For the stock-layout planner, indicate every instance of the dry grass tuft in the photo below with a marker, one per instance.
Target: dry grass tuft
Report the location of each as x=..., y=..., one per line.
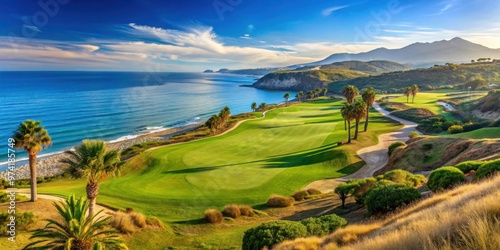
x=213, y=216
x=232, y=211
x=122, y=222
x=280, y=201
x=246, y=210
x=138, y=219
x=154, y=222
x=300, y=195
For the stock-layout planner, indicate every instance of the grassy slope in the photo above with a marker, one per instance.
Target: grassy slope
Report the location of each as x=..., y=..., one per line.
x=478, y=134
x=279, y=154
x=427, y=100
x=467, y=217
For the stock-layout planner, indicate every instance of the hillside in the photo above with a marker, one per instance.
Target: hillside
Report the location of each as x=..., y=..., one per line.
x=447, y=76
x=456, y=50
x=468, y=213
x=428, y=153
x=307, y=78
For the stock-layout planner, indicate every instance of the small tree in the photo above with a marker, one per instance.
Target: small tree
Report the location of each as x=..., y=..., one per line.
x=286, y=96
x=343, y=190
x=325, y=90
x=254, y=106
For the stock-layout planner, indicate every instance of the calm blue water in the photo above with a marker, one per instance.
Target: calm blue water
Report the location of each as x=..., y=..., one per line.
x=116, y=105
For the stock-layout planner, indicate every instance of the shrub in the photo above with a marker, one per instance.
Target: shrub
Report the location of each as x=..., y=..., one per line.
x=413, y=134
x=395, y=145
x=122, y=222
x=313, y=191
x=23, y=220
x=300, y=195
x=323, y=225
x=488, y=169
x=246, y=210
x=404, y=177
x=138, y=219
x=154, y=222
x=360, y=188
x=272, y=233
x=468, y=166
x=280, y=201
x=444, y=178
x=213, y=216
x=455, y=129
x=427, y=146
x=387, y=198
x=232, y=211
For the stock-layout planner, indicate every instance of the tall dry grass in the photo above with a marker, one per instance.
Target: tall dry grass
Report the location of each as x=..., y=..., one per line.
x=467, y=217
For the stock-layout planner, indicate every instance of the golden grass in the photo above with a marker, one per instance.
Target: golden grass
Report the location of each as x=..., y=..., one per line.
x=213, y=216
x=246, y=210
x=122, y=222
x=232, y=211
x=280, y=201
x=467, y=217
x=138, y=219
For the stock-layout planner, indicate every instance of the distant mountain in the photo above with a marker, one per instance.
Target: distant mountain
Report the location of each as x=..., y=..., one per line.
x=456, y=50
x=312, y=77
x=254, y=72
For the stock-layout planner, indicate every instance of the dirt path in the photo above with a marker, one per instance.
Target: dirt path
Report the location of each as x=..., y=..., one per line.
x=26, y=192
x=375, y=156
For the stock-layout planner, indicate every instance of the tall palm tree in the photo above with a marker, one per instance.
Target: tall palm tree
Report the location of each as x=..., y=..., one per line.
x=369, y=98
x=407, y=93
x=95, y=162
x=225, y=114
x=286, y=96
x=32, y=138
x=348, y=114
x=325, y=90
x=75, y=231
x=350, y=92
x=414, y=91
x=254, y=106
x=310, y=93
x=359, y=113
x=263, y=106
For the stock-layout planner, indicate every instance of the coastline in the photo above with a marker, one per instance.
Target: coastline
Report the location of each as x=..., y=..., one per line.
x=50, y=166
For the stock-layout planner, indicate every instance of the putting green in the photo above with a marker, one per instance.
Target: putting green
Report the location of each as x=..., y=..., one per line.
x=280, y=153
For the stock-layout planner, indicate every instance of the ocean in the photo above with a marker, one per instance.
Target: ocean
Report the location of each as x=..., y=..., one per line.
x=116, y=106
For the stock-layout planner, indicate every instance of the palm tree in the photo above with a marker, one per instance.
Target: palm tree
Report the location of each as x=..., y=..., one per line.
x=407, y=93
x=301, y=94
x=359, y=113
x=325, y=90
x=348, y=114
x=317, y=92
x=225, y=114
x=32, y=138
x=286, y=96
x=297, y=96
x=75, y=231
x=92, y=160
x=213, y=123
x=263, y=106
x=414, y=91
x=350, y=92
x=254, y=106
x=310, y=93
x=369, y=98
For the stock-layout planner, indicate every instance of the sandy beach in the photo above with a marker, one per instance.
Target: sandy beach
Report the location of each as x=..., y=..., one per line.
x=50, y=166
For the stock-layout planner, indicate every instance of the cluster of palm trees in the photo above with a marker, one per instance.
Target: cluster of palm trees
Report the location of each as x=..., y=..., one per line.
x=356, y=109
x=411, y=90
x=91, y=160
x=218, y=121
x=311, y=94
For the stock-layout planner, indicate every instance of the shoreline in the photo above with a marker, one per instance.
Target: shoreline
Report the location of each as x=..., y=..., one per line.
x=49, y=165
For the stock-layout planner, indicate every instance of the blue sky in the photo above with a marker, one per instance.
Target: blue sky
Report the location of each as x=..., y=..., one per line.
x=146, y=35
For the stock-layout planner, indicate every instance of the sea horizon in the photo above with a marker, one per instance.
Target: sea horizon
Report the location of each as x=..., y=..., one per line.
x=117, y=105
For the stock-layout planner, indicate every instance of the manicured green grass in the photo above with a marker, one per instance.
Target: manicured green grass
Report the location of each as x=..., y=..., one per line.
x=483, y=133
x=288, y=149
x=429, y=101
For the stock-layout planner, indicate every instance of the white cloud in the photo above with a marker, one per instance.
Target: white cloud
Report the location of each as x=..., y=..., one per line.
x=329, y=11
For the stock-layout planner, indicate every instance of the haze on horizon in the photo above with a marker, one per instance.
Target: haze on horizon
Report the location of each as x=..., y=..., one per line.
x=154, y=35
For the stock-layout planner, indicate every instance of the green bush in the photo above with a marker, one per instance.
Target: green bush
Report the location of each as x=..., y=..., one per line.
x=404, y=177
x=280, y=201
x=272, y=233
x=387, y=198
x=23, y=221
x=455, y=129
x=323, y=225
x=488, y=169
x=360, y=187
x=468, y=166
x=444, y=178
x=395, y=145
x=413, y=134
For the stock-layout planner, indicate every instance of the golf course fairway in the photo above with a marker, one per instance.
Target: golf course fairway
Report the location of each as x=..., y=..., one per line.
x=278, y=154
